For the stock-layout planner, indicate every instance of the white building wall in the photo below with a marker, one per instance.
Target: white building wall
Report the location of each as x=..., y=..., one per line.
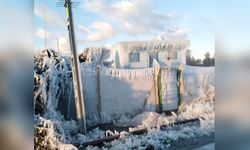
x=182, y=56
x=163, y=59
x=121, y=58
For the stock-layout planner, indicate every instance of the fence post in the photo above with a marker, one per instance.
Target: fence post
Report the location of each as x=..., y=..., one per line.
x=156, y=73
x=180, y=71
x=98, y=91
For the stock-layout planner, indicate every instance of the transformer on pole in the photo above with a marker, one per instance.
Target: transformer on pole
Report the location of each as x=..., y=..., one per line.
x=77, y=81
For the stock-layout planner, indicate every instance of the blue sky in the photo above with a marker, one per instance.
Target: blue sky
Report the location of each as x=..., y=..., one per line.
x=105, y=22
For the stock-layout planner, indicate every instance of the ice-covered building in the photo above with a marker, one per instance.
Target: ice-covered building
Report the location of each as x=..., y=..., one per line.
x=140, y=54
x=162, y=58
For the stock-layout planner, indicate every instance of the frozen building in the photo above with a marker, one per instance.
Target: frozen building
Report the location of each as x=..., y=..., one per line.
x=140, y=54
x=128, y=60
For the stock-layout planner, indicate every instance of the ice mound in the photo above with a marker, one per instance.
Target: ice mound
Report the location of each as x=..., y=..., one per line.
x=145, y=120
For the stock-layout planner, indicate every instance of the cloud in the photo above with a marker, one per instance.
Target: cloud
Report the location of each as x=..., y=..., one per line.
x=63, y=42
x=83, y=29
x=99, y=31
x=41, y=34
x=53, y=19
x=130, y=17
x=176, y=32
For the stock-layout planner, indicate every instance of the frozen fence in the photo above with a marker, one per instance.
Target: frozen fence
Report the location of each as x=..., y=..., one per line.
x=108, y=92
x=125, y=91
x=89, y=77
x=198, y=82
x=112, y=92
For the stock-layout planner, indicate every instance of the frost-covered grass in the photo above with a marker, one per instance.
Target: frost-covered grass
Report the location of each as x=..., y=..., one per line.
x=159, y=139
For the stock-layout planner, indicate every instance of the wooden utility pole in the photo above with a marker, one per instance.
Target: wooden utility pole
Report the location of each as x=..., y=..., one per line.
x=77, y=81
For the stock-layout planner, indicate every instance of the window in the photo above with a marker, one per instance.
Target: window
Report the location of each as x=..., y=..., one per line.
x=134, y=57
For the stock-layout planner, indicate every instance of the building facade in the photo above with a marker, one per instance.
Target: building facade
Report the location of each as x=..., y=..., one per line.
x=140, y=54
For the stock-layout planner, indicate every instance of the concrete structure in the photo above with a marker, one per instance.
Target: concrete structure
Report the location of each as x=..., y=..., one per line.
x=131, y=57
x=140, y=54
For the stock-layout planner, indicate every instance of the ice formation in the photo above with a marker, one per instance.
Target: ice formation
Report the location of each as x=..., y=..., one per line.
x=52, y=81
x=163, y=139
x=154, y=45
x=53, y=101
x=132, y=89
x=169, y=89
x=93, y=57
x=198, y=82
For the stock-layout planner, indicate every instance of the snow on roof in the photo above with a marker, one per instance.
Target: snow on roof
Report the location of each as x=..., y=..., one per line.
x=159, y=37
x=153, y=45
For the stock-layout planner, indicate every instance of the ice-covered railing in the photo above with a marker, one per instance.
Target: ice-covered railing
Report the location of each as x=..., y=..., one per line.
x=153, y=45
x=129, y=73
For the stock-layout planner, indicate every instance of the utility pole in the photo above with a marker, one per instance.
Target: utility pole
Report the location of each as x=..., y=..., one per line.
x=77, y=82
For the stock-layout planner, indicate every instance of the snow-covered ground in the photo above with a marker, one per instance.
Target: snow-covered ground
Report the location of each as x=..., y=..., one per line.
x=59, y=132
x=54, y=128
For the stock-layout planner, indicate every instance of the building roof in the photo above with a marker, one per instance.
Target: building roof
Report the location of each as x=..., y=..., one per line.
x=156, y=45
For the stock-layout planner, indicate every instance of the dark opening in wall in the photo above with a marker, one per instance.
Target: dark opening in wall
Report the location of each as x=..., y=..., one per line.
x=134, y=57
